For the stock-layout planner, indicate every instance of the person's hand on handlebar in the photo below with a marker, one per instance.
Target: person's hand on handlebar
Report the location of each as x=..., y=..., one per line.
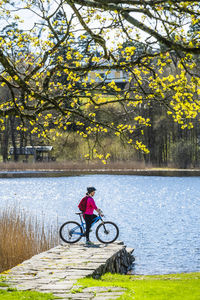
x=100, y=212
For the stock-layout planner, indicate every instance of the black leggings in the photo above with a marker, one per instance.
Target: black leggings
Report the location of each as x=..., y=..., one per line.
x=88, y=220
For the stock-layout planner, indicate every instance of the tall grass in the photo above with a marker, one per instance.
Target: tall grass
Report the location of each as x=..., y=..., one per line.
x=22, y=236
x=71, y=165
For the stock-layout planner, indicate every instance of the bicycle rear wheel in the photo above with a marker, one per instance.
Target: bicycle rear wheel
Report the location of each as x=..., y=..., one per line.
x=107, y=232
x=71, y=232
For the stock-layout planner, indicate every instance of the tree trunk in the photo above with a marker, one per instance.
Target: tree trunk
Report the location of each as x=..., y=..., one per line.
x=13, y=137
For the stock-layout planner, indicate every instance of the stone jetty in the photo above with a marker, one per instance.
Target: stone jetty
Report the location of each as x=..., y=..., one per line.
x=57, y=270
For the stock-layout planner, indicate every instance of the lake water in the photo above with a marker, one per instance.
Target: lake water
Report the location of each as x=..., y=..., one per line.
x=158, y=216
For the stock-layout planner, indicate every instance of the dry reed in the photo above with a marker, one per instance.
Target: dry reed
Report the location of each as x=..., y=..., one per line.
x=67, y=165
x=22, y=236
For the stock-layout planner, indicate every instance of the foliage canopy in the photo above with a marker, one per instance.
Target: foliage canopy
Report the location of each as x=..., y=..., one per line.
x=50, y=51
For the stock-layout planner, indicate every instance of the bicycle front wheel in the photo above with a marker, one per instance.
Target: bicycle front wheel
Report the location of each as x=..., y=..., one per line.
x=107, y=232
x=71, y=232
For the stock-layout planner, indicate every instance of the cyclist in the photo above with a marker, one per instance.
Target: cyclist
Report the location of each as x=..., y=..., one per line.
x=89, y=215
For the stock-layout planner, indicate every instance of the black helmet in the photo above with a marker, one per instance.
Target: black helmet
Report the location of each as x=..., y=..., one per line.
x=91, y=189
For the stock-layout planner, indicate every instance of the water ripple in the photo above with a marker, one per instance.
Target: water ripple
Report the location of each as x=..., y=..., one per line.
x=158, y=216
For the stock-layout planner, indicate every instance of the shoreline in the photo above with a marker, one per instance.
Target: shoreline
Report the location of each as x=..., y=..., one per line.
x=96, y=171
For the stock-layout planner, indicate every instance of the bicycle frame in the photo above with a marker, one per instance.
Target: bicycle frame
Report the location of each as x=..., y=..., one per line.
x=83, y=225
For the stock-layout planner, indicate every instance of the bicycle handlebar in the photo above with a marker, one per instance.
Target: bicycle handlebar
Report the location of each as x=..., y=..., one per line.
x=100, y=213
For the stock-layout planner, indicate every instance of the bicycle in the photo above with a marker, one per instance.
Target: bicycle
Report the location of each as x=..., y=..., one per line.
x=106, y=232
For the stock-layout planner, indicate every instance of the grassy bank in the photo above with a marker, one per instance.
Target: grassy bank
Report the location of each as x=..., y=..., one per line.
x=22, y=236
x=159, y=287
x=7, y=293
x=80, y=165
x=68, y=165
x=19, y=295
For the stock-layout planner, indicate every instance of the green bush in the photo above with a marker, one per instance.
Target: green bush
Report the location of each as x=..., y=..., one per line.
x=72, y=147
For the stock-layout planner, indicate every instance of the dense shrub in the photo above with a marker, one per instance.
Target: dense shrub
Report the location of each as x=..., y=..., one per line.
x=181, y=153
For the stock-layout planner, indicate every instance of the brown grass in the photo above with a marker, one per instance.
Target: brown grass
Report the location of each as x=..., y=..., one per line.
x=21, y=237
x=20, y=166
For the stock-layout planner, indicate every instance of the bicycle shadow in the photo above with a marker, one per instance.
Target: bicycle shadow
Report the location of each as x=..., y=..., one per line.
x=92, y=246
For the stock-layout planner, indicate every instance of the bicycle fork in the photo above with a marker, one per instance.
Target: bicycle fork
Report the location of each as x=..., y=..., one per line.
x=105, y=230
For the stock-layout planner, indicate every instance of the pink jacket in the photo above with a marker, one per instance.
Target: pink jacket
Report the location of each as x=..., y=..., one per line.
x=90, y=206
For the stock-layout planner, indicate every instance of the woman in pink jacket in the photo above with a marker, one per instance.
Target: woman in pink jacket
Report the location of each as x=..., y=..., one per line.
x=89, y=215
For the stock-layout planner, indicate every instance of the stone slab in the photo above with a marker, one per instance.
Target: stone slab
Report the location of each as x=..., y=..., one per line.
x=58, y=269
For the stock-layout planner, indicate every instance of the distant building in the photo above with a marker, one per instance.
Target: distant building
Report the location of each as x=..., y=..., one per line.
x=32, y=153
x=120, y=77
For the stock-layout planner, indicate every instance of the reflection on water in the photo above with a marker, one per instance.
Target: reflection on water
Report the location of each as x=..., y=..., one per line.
x=157, y=216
